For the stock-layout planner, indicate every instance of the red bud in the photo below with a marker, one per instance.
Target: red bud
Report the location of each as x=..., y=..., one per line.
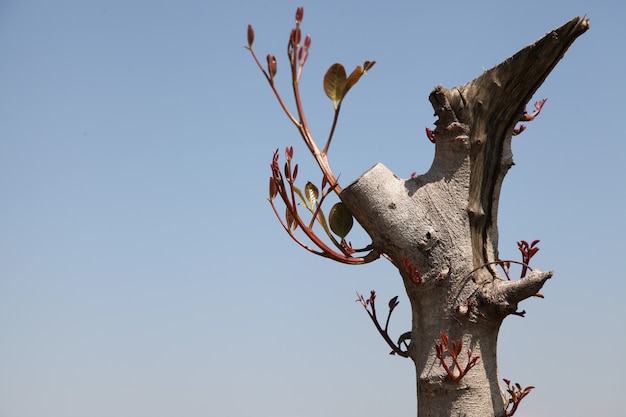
x=431, y=135
x=271, y=65
x=250, y=36
x=299, y=14
x=273, y=188
x=456, y=348
x=444, y=338
x=519, y=130
x=439, y=349
x=294, y=37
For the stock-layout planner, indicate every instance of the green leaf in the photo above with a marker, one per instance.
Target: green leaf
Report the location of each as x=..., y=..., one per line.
x=340, y=220
x=322, y=221
x=299, y=193
x=335, y=83
x=311, y=193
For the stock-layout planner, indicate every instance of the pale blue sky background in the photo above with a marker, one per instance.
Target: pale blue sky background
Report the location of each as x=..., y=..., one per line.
x=142, y=273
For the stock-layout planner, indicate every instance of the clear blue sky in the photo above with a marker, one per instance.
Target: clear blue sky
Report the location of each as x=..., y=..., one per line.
x=142, y=273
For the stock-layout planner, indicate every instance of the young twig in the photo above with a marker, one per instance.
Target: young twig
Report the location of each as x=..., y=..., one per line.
x=370, y=308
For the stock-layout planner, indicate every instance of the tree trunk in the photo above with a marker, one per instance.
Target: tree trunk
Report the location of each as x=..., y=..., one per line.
x=444, y=224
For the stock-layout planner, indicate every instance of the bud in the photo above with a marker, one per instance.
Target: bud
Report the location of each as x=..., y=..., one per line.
x=295, y=37
x=456, y=348
x=299, y=14
x=367, y=65
x=439, y=348
x=271, y=65
x=444, y=338
x=273, y=189
x=298, y=36
x=250, y=36
x=431, y=135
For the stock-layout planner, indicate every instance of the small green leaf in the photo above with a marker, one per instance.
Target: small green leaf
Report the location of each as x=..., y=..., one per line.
x=311, y=192
x=340, y=220
x=335, y=82
x=322, y=221
x=299, y=193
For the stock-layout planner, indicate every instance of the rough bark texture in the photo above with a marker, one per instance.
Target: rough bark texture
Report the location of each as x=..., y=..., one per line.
x=445, y=223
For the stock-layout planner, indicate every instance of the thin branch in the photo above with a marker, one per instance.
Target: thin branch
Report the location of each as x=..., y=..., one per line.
x=332, y=129
x=276, y=93
x=291, y=206
x=383, y=332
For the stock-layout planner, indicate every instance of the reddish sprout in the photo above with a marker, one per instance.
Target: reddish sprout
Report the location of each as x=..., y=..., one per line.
x=299, y=14
x=250, y=36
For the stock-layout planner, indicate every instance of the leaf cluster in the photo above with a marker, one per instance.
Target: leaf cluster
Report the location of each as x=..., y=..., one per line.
x=336, y=226
x=282, y=182
x=454, y=349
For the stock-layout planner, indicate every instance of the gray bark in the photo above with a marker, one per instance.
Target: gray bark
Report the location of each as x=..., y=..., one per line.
x=445, y=223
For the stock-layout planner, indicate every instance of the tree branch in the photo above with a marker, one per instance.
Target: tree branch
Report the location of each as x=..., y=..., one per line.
x=503, y=296
x=486, y=110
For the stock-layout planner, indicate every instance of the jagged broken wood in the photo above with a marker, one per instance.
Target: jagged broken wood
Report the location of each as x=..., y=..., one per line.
x=445, y=223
